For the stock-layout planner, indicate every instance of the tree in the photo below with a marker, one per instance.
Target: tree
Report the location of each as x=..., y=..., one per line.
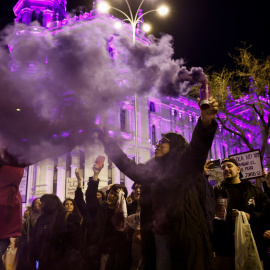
x=243, y=94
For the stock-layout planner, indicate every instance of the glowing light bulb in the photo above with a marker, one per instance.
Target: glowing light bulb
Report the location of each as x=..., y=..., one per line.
x=163, y=10
x=146, y=27
x=118, y=25
x=103, y=7
x=18, y=110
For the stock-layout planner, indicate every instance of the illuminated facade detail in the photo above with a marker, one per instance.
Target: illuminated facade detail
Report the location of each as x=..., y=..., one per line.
x=43, y=11
x=155, y=115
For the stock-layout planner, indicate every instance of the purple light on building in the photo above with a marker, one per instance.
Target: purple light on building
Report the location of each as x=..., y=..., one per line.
x=111, y=133
x=65, y=134
x=97, y=120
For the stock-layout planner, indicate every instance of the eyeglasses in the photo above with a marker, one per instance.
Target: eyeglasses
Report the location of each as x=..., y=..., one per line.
x=163, y=140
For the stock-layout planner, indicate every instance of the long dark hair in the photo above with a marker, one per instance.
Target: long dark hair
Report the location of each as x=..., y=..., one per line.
x=52, y=204
x=76, y=212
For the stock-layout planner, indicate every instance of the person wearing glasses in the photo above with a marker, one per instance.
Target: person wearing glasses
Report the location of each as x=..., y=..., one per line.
x=173, y=220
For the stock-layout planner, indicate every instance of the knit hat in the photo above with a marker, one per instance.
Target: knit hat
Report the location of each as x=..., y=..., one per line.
x=175, y=140
x=232, y=160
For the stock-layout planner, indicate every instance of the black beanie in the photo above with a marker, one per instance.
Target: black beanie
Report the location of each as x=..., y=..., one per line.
x=176, y=140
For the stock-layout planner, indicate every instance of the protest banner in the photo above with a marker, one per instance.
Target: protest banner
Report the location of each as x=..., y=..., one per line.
x=71, y=186
x=250, y=164
x=23, y=185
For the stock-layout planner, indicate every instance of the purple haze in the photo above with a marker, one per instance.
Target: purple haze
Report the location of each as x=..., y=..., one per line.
x=74, y=79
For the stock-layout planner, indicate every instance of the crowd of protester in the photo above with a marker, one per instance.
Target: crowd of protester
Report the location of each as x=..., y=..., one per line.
x=173, y=218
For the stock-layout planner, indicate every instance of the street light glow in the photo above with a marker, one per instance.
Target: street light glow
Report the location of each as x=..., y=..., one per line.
x=118, y=25
x=146, y=27
x=103, y=7
x=163, y=10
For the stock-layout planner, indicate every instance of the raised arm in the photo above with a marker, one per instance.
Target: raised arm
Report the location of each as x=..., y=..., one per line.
x=79, y=195
x=202, y=139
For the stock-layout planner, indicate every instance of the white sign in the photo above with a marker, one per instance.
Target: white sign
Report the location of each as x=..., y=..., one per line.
x=250, y=164
x=23, y=185
x=71, y=186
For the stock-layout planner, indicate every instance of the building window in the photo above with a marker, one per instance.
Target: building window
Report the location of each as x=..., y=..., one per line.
x=122, y=179
x=55, y=176
x=109, y=172
x=152, y=107
x=224, y=151
x=175, y=113
x=123, y=120
x=153, y=135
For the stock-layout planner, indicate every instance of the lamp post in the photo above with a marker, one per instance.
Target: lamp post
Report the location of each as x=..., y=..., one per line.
x=133, y=20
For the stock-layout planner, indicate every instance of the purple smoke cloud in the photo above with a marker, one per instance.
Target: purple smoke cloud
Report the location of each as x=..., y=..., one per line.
x=71, y=78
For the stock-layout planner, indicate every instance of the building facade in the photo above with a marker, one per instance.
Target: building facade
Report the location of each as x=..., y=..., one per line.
x=155, y=115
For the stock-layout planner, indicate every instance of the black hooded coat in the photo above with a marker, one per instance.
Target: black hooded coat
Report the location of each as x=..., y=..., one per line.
x=176, y=199
x=56, y=238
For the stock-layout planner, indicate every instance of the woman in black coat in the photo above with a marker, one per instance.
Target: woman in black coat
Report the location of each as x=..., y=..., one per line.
x=57, y=237
x=174, y=217
x=28, y=229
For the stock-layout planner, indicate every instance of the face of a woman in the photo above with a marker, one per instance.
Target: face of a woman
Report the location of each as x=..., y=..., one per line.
x=37, y=206
x=112, y=199
x=69, y=206
x=137, y=192
x=99, y=197
x=162, y=148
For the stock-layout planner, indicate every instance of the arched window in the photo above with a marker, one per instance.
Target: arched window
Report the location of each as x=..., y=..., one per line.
x=152, y=107
x=153, y=135
x=123, y=120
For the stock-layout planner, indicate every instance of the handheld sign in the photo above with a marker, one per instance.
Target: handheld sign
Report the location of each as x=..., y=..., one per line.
x=250, y=164
x=71, y=186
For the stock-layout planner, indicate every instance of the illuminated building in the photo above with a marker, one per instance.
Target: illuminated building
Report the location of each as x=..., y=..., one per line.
x=155, y=115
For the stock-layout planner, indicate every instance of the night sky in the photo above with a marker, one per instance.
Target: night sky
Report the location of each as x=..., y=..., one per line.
x=204, y=31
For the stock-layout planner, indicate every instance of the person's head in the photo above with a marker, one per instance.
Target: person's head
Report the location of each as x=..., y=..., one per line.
x=27, y=212
x=36, y=205
x=51, y=203
x=231, y=170
x=69, y=205
x=170, y=141
x=136, y=191
x=112, y=195
x=100, y=196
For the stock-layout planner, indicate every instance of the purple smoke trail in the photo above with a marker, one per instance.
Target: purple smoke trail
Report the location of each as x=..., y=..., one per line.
x=73, y=79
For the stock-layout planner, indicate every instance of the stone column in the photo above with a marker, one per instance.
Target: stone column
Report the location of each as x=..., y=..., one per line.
x=26, y=16
x=47, y=17
x=44, y=177
x=115, y=175
x=75, y=162
x=61, y=177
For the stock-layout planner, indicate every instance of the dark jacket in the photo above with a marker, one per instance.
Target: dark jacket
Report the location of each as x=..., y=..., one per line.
x=266, y=189
x=266, y=241
x=252, y=202
x=174, y=185
x=99, y=232
x=56, y=242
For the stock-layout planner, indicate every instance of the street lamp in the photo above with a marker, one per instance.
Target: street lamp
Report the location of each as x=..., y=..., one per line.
x=133, y=20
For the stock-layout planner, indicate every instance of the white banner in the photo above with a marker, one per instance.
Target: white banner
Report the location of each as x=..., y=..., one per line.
x=250, y=164
x=71, y=186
